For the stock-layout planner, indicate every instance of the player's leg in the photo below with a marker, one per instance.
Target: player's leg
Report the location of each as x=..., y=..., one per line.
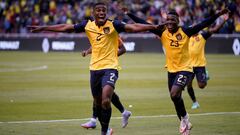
x=173, y=92
x=177, y=82
x=190, y=89
x=125, y=113
x=96, y=89
x=108, y=83
x=191, y=93
x=117, y=103
x=106, y=108
x=178, y=101
x=201, y=76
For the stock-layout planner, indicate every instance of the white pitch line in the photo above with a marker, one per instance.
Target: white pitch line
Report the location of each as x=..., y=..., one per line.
x=25, y=69
x=132, y=117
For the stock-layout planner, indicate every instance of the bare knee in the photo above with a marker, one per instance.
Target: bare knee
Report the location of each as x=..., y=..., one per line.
x=202, y=85
x=175, y=93
x=106, y=103
x=174, y=96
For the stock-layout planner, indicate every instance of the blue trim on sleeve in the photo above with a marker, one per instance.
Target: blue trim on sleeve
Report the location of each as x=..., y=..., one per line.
x=119, y=26
x=80, y=27
x=195, y=29
x=206, y=34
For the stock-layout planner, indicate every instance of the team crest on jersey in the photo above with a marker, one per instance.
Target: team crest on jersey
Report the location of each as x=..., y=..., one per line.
x=197, y=38
x=106, y=30
x=179, y=36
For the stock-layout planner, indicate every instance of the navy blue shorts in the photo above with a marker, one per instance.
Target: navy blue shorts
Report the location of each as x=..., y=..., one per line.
x=179, y=78
x=200, y=73
x=100, y=78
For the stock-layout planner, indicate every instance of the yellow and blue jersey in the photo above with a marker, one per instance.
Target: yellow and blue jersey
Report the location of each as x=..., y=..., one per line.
x=176, y=48
x=197, y=49
x=104, y=42
x=176, y=44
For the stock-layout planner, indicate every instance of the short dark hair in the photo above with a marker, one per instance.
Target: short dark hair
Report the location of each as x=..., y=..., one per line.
x=99, y=3
x=173, y=12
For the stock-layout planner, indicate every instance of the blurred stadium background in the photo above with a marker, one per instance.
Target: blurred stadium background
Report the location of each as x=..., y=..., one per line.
x=15, y=15
x=48, y=93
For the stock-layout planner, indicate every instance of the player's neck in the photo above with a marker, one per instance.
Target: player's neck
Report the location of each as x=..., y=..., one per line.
x=174, y=30
x=100, y=24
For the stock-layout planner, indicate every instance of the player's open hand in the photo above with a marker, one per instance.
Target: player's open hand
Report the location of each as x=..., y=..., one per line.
x=123, y=9
x=225, y=17
x=35, y=29
x=84, y=53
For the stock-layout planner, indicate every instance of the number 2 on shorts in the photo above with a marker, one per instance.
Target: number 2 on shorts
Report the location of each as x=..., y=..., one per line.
x=182, y=79
x=112, y=77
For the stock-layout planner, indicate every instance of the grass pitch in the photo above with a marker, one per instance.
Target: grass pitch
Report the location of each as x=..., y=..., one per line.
x=35, y=86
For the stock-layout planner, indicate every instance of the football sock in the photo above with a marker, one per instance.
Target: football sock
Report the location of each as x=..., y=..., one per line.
x=94, y=111
x=179, y=106
x=105, y=118
x=98, y=110
x=191, y=94
x=117, y=103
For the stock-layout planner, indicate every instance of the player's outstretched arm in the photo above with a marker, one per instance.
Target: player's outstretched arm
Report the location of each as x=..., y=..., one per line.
x=136, y=19
x=121, y=48
x=205, y=23
x=219, y=26
x=53, y=28
x=157, y=31
x=137, y=27
x=141, y=21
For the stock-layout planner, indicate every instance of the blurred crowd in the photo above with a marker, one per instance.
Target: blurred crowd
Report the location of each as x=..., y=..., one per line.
x=16, y=15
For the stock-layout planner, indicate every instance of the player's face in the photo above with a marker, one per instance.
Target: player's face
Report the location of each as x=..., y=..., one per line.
x=100, y=13
x=172, y=23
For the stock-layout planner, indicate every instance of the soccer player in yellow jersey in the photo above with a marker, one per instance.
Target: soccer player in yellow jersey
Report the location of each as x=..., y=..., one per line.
x=103, y=36
x=115, y=98
x=175, y=40
x=198, y=61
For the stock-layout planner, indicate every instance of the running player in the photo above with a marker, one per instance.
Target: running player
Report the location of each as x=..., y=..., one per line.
x=115, y=98
x=175, y=40
x=198, y=61
x=103, y=36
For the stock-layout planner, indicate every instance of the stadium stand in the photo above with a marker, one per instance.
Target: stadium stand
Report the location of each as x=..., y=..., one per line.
x=15, y=15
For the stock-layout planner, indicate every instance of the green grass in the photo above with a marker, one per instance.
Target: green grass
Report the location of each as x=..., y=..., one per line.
x=62, y=92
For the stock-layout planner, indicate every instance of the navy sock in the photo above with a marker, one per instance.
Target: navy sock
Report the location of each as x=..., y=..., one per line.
x=191, y=93
x=95, y=115
x=116, y=102
x=180, y=107
x=105, y=118
x=98, y=110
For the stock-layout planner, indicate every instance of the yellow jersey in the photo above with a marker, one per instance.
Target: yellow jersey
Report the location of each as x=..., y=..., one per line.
x=176, y=49
x=196, y=50
x=104, y=42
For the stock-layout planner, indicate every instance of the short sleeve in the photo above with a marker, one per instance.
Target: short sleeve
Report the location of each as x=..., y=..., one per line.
x=206, y=34
x=119, y=26
x=80, y=27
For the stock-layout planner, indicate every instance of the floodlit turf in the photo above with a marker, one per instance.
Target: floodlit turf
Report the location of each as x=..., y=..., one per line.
x=35, y=86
